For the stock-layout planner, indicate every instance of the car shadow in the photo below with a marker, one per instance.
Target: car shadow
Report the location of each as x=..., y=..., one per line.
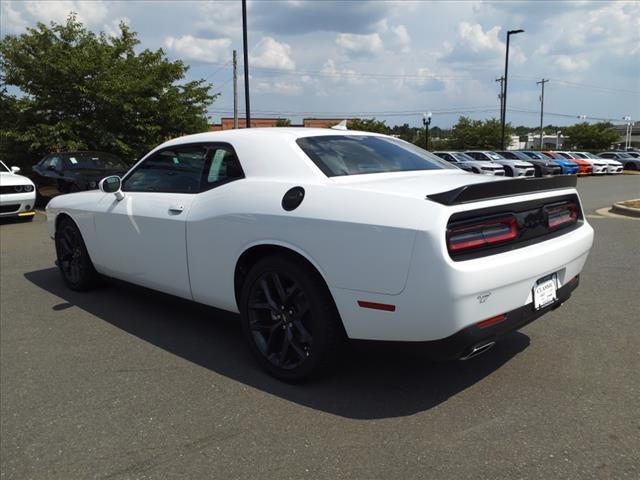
x=373, y=380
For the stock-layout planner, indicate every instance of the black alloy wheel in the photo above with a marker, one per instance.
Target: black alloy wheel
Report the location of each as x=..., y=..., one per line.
x=289, y=319
x=73, y=259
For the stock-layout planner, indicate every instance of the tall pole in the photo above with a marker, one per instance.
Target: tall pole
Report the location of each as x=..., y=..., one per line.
x=504, y=93
x=542, y=82
x=247, y=104
x=501, y=96
x=235, y=89
x=426, y=121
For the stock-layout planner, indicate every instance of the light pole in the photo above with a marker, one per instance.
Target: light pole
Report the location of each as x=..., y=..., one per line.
x=504, y=93
x=245, y=42
x=558, y=134
x=426, y=121
x=627, y=136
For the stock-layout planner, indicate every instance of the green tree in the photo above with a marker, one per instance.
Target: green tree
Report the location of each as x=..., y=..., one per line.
x=368, y=125
x=596, y=136
x=283, y=122
x=81, y=90
x=478, y=134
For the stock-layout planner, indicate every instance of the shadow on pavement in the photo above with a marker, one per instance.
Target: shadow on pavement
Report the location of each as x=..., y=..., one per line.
x=374, y=380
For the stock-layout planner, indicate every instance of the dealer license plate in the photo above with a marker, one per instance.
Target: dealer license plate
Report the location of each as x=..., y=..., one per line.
x=544, y=292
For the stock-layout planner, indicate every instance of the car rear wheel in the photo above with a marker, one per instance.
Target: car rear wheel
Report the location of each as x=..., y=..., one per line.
x=289, y=319
x=73, y=259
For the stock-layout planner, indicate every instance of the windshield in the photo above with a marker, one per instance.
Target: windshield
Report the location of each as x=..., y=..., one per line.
x=534, y=155
x=624, y=155
x=94, y=160
x=462, y=157
x=591, y=155
x=510, y=155
x=494, y=156
x=338, y=155
x=4, y=168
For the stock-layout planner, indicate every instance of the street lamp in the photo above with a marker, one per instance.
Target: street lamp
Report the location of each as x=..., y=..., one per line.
x=504, y=93
x=426, y=121
x=627, y=136
x=558, y=135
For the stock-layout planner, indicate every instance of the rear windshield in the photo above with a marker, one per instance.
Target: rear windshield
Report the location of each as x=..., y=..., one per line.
x=338, y=155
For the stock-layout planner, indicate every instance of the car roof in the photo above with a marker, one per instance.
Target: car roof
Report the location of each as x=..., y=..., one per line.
x=269, y=152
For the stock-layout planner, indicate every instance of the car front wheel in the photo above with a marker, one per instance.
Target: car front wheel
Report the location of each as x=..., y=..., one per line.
x=73, y=259
x=289, y=319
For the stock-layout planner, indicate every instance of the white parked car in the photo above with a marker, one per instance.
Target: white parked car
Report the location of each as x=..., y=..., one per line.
x=513, y=168
x=612, y=166
x=316, y=234
x=17, y=194
x=476, y=166
x=599, y=165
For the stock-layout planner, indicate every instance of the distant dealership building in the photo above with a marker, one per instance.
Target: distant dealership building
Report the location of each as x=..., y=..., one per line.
x=226, y=123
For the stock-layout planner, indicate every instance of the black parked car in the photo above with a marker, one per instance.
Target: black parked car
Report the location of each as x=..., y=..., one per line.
x=67, y=172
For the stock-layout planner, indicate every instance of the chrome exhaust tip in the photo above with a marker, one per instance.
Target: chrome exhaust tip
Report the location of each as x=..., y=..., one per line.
x=477, y=350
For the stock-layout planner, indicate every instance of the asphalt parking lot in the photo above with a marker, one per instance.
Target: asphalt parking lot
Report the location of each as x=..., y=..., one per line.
x=122, y=382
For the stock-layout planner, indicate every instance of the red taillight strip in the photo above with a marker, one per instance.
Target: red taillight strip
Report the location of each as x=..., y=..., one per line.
x=562, y=215
x=377, y=306
x=491, y=321
x=485, y=238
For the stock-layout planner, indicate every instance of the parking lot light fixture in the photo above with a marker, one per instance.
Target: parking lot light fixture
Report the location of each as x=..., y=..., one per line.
x=558, y=135
x=426, y=121
x=504, y=93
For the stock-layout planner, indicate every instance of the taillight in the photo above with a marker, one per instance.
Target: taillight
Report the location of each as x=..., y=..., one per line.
x=561, y=215
x=486, y=232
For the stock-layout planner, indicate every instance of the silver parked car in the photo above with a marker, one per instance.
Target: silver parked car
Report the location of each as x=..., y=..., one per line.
x=461, y=159
x=512, y=168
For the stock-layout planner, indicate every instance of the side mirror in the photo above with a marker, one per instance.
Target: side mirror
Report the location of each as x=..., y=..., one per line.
x=15, y=169
x=112, y=184
x=51, y=168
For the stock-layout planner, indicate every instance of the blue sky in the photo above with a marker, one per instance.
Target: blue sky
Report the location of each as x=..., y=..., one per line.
x=391, y=60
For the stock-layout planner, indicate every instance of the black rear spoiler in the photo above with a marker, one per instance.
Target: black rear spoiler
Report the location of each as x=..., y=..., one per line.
x=502, y=188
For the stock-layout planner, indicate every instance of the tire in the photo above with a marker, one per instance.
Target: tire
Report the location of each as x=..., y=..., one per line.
x=73, y=261
x=508, y=171
x=475, y=170
x=304, y=338
x=537, y=172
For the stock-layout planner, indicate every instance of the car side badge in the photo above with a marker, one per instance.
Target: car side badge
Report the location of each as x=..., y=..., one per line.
x=293, y=198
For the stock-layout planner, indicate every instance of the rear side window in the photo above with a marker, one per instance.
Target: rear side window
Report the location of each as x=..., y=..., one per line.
x=339, y=155
x=222, y=166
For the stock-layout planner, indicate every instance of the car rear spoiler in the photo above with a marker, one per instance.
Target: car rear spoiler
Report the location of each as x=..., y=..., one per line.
x=502, y=188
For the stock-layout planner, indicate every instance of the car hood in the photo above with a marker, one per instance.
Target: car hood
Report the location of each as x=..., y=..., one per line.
x=413, y=184
x=8, y=179
x=483, y=163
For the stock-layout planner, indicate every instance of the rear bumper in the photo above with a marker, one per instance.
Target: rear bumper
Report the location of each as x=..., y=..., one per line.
x=458, y=344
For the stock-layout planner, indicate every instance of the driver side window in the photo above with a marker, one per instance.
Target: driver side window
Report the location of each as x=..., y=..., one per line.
x=175, y=170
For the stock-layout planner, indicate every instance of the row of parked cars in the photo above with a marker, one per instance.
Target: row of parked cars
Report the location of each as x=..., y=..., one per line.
x=530, y=163
x=67, y=172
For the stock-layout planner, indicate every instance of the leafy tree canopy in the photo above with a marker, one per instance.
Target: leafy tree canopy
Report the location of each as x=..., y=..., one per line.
x=478, y=134
x=594, y=136
x=81, y=90
x=367, y=125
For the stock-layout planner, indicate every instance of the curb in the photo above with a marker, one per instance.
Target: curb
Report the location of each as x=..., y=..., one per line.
x=624, y=210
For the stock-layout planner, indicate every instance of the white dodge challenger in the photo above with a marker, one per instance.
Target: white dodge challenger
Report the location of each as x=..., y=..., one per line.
x=316, y=235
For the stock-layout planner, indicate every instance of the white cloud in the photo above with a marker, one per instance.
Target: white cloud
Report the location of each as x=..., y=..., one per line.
x=359, y=45
x=12, y=20
x=112, y=29
x=89, y=12
x=201, y=49
x=281, y=87
x=272, y=54
x=473, y=44
x=571, y=64
x=401, y=38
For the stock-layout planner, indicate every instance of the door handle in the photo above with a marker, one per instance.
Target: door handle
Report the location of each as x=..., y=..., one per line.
x=176, y=208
